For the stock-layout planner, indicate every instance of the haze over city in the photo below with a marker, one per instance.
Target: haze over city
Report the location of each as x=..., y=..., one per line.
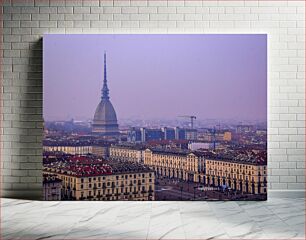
x=219, y=76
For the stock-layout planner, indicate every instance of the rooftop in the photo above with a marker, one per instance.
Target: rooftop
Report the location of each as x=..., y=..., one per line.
x=86, y=166
x=245, y=156
x=129, y=146
x=74, y=141
x=180, y=152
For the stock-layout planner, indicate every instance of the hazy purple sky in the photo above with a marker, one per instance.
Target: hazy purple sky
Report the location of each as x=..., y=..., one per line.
x=221, y=76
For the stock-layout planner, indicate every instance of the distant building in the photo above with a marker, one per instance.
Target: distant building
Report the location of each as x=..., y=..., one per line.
x=244, y=128
x=216, y=135
x=168, y=144
x=138, y=135
x=227, y=136
x=261, y=131
x=68, y=148
x=148, y=134
x=51, y=187
x=191, y=134
x=169, y=133
x=105, y=118
x=131, y=153
x=180, y=133
x=193, y=146
x=134, y=135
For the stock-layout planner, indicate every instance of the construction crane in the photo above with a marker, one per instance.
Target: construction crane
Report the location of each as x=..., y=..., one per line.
x=192, y=118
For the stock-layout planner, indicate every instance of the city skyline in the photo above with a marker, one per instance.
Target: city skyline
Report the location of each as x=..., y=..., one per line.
x=157, y=76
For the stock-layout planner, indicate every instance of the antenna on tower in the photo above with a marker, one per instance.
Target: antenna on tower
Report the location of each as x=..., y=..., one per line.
x=105, y=90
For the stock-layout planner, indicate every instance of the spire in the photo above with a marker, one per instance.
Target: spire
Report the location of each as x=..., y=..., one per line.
x=105, y=90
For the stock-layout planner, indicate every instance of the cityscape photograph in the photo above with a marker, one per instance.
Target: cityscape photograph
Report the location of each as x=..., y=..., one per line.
x=154, y=117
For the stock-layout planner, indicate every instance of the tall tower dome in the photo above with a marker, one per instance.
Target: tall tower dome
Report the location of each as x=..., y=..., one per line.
x=105, y=118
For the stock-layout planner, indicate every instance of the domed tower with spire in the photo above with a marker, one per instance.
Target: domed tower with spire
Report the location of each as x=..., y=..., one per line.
x=105, y=118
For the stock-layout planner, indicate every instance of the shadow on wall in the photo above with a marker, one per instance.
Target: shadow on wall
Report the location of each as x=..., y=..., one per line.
x=25, y=156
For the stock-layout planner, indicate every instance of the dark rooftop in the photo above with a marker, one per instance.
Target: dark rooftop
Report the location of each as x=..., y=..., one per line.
x=130, y=146
x=85, y=166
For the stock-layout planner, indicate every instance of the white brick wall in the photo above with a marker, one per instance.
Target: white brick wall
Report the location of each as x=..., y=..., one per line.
x=25, y=21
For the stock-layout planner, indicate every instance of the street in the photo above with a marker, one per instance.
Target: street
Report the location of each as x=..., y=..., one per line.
x=174, y=190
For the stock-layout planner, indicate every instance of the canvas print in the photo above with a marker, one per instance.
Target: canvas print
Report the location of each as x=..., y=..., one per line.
x=154, y=117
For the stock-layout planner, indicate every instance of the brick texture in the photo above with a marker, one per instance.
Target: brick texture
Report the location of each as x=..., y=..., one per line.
x=25, y=21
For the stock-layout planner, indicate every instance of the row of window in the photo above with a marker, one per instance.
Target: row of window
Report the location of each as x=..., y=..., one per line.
x=115, y=184
x=222, y=171
x=238, y=177
x=113, y=153
x=139, y=190
x=90, y=179
x=232, y=164
x=175, y=164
